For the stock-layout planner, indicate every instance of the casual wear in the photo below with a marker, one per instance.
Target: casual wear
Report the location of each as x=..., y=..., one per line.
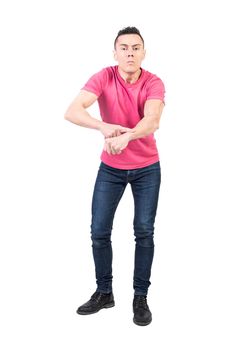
x=142, y=313
x=122, y=103
x=138, y=164
x=108, y=190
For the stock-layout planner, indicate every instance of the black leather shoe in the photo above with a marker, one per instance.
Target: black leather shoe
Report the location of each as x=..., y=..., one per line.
x=97, y=302
x=142, y=314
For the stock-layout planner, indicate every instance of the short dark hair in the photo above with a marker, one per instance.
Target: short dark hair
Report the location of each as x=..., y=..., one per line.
x=128, y=30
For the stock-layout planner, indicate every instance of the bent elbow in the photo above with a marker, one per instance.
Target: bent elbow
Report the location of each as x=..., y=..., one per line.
x=156, y=127
x=66, y=117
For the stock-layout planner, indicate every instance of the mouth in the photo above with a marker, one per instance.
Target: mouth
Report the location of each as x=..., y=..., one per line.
x=130, y=62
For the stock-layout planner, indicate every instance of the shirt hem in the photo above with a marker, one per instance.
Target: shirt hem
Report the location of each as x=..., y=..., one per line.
x=128, y=167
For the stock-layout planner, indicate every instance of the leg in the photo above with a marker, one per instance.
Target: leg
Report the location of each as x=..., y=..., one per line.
x=145, y=189
x=108, y=190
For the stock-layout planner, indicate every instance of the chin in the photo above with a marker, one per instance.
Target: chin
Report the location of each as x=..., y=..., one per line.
x=131, y=69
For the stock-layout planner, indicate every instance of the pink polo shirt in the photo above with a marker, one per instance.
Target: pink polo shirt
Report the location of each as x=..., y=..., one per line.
x=123, y=103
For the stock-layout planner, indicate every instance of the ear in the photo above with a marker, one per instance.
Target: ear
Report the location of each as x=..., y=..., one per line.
x=114, y=55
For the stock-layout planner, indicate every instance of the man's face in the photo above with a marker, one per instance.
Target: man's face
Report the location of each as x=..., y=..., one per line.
x=129, y=52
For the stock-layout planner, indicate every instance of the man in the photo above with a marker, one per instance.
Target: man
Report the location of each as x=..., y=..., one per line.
x=131, y=101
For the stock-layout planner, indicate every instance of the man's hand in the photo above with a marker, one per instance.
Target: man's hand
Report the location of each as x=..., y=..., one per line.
x=112, y=130
x=115, y=145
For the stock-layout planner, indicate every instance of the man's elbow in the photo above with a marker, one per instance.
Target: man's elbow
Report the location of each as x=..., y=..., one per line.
x=155, y=126
x=68, y=117
x=73, y=112
x=67, y=114
x=72, y=115
x=73, y=118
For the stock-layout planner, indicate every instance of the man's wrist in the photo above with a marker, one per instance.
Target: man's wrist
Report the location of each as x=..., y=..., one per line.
x=130, y=135
x=100, y=125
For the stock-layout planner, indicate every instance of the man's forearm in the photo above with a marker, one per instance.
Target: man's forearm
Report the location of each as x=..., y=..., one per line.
x=146, y=126
x=83, y=118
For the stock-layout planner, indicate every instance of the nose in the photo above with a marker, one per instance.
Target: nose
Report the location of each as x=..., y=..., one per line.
x=130, y=52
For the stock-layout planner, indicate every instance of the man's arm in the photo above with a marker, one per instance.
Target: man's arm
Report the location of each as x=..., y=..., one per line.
x=150, y=122
x=77, y=114
x=147, y=125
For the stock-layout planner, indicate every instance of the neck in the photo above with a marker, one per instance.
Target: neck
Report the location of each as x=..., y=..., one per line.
x=130, y=77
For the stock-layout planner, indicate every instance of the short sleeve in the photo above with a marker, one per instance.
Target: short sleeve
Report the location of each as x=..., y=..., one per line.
x=96, y=83
x=155, y=89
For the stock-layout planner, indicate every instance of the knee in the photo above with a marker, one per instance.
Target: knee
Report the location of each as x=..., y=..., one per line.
x=100, y=228
x=100, y=236
x=146, y=242
x=99, y=242
x=144, y=236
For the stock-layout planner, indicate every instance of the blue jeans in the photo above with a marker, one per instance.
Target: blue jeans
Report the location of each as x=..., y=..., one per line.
x=108, y=190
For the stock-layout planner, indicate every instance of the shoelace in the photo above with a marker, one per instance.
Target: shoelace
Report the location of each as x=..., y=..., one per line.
x=141, y=302
x=96, y=296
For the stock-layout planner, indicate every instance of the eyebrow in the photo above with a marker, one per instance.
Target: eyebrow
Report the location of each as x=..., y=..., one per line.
x=130, y=45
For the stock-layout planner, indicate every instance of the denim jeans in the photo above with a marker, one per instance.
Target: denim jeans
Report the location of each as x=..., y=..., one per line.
x=108, y=190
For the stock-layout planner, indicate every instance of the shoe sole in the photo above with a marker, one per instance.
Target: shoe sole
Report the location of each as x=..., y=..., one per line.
x=106, y=306
x=141, y=323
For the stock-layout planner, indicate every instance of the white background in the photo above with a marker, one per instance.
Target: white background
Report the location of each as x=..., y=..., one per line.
x=48, y=167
